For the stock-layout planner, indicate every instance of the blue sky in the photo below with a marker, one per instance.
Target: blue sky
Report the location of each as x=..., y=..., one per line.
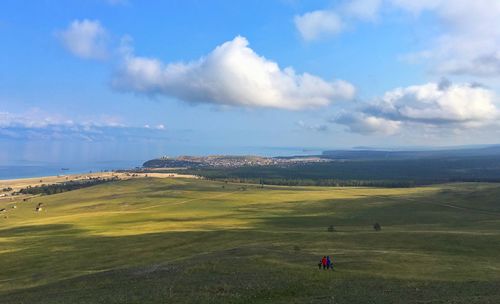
x=137, y=79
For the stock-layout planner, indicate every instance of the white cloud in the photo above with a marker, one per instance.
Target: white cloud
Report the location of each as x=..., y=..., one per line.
x=468, y=41
x=232, y=74
x=311, y=127
x=324, y=23
x=317, y=24
x=38, y=125
x=157, y=127
x=470, y=38
x=440, y=105
x=38, y=119
x=31, y=119
x=35, y=124
x=85, y=39
x=366, y=10
x=367, y=124
x=416, y=7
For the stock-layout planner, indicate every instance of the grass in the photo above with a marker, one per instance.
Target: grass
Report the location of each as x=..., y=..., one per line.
x=192, y=241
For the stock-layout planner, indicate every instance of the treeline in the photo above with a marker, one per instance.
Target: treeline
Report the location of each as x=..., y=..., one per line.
x=64, y=187
x=377, y=173
x=321, y=182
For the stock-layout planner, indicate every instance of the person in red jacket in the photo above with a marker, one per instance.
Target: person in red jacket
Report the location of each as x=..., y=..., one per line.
x=324, y=262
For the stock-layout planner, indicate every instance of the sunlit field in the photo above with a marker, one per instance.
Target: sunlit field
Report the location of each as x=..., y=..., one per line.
x=193, y=241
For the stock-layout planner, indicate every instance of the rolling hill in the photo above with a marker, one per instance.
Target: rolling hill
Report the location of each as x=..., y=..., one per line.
x=195, y=241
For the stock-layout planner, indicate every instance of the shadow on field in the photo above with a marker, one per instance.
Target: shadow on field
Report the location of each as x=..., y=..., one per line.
x=249, y=275
x=425, y=253
x=38, y=230
x=440, y=210
x=238, y=267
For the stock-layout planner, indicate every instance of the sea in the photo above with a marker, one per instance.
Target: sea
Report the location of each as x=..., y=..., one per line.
x=39, y=169
x=23, y=159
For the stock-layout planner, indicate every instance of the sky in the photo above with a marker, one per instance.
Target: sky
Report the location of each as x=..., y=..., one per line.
x=132, y=80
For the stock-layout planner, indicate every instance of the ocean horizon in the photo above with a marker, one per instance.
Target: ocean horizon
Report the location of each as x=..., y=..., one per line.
x=40, y=169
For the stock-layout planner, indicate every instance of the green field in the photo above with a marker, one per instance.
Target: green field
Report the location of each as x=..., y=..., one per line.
x=192, y=241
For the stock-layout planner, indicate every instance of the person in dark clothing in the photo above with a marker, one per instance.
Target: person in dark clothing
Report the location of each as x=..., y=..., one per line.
x=319, y=264
x=328, y=263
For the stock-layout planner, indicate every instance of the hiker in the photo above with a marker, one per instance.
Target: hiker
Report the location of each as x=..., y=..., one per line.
x=329, y=262
x=323, y=262
x=319, y=264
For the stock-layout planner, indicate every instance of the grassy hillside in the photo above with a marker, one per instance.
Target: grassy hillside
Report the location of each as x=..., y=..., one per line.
x=191, y=241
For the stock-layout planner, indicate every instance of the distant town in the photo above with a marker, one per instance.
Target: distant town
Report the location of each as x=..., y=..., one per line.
x=232, y=161
x=228, y=161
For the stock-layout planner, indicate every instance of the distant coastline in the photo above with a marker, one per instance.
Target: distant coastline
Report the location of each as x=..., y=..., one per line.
x=29, y=170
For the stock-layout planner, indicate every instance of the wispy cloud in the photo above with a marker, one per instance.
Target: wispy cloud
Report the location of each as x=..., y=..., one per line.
x=85, y=39
x=470, y=38
x=157, y=127
x=39, y=125
x=317, y=24
x=467, y=43
x=311, y=127
x=331, y=22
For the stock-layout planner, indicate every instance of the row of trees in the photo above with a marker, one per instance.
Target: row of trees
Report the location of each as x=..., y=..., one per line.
x=63, y=187
x=320, y=182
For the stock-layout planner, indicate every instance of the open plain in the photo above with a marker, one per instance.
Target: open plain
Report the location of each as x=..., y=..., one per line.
x=180, y=240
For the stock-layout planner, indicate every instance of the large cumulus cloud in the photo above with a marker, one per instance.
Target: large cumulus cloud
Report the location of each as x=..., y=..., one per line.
x=232, y=74
x=443, y=104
